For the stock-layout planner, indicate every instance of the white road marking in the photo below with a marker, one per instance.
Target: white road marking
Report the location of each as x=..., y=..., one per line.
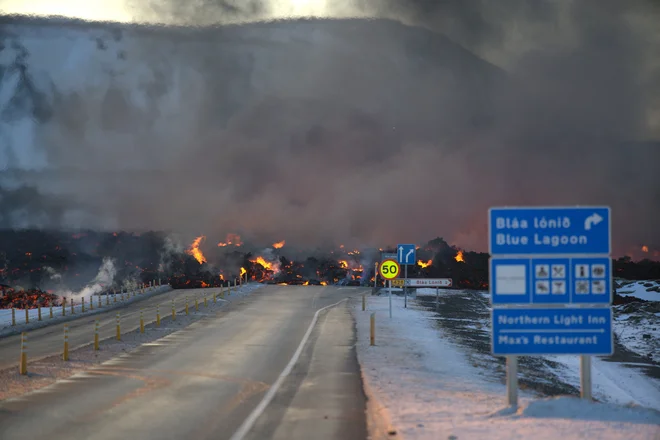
x=249, y=422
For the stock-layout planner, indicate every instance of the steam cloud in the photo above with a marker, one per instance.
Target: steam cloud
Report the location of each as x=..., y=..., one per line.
x=104, y=278
x=319, y=132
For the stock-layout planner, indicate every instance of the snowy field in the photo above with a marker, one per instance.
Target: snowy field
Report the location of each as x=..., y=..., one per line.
x=425, y=386
x=33, y=314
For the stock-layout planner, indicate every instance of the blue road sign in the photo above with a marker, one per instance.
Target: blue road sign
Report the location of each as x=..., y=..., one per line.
x=556, y=280
x=549, y=230
x=521, y=332
x=406, y=253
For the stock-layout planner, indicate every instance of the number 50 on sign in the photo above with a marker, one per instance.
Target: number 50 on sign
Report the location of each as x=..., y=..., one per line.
x=389, y=269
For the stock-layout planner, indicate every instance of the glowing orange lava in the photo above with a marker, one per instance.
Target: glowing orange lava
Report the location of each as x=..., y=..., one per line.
x=343, y=264
x=195, y=252
x=324, y=283
x=205, y=284
x=231, y=239
x=423, y=265
x=459, y=257
x=645, y=248
x=306, y=283
x=265, y=264
x=243, y=271
x=279, y=244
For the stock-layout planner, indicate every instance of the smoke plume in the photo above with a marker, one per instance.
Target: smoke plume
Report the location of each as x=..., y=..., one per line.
x=353, y=131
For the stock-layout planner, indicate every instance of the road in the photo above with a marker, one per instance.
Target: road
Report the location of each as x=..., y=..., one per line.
x=209, y=380
x=48, y=341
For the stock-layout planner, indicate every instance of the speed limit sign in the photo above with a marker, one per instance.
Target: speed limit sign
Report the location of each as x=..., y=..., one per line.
x=389, y=269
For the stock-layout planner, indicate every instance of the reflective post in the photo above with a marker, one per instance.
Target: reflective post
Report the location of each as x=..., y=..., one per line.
x=65, y=353
x=96, y=335
x=23, y=359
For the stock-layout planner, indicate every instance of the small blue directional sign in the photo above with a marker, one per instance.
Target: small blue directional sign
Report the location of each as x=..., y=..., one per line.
x=387, y=256
x=549, y=230
x=551, y=280
x=406, y=253
x=583, y=331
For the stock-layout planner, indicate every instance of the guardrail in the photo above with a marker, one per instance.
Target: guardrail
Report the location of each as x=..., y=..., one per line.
x=208, y=298
x=14, y=318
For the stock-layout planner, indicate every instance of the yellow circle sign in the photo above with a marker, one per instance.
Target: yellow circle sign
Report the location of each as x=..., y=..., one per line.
x=389, y=269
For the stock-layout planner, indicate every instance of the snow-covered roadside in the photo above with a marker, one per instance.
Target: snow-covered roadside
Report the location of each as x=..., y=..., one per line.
x=431, y=391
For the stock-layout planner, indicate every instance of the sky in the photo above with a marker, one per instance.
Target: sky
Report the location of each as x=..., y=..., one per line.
x=371, y=133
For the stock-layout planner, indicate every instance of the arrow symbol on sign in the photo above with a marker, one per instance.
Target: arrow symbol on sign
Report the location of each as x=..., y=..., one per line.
x=410, y=252
x=593, y=219
x=400, y=253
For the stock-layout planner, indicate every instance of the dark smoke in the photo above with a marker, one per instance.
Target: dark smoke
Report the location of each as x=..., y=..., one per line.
x=352, y=131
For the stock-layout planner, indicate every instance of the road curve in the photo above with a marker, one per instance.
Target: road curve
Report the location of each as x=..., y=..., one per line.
x=205, y=381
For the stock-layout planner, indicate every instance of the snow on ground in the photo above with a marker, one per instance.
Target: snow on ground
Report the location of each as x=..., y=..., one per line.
x=426, y=388
x=5, y=314
x=646, y=290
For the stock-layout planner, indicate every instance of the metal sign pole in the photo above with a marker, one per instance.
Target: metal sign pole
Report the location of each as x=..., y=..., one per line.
x=512, y=381
x=390, y=289
x=405, y=289
x=437, y=299
x=585, y=377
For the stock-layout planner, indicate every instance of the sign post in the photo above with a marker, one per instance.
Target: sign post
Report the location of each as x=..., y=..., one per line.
x=550, y=286
x=390, y=269
x=406, y=254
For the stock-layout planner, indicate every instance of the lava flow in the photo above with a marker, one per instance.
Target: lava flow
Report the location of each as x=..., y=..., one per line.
x=194, y=250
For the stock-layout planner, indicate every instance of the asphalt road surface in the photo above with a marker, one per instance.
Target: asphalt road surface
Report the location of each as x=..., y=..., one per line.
x=48, y=340
x=241, y=374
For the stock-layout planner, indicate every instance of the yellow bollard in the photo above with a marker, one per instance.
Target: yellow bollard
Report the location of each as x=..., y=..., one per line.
x=372, y=336
x=157, y=315
x=222, y=292
x=186, y=305
x=23, y=361
x=65, y=354
x=27, y=315
x=141, y=322
x=63, y=307
x=196, y=304
x=51, y=309
x=83, y=304
x=38, y=312
x=96, y=335
x=364, y=302
x=205, y=303
x=13, y=316
x=99, y=303
x=214, y=296
x=122, y=295
x=118, y=327
x=173, y=312
x=91, y=303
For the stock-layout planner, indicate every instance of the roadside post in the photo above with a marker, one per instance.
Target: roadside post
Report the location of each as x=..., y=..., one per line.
x=13, y=316
x=406, y=255
x=23, y=360
x=96, y=335
x=65, y=352
x=390, y=269
x=550, y=286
